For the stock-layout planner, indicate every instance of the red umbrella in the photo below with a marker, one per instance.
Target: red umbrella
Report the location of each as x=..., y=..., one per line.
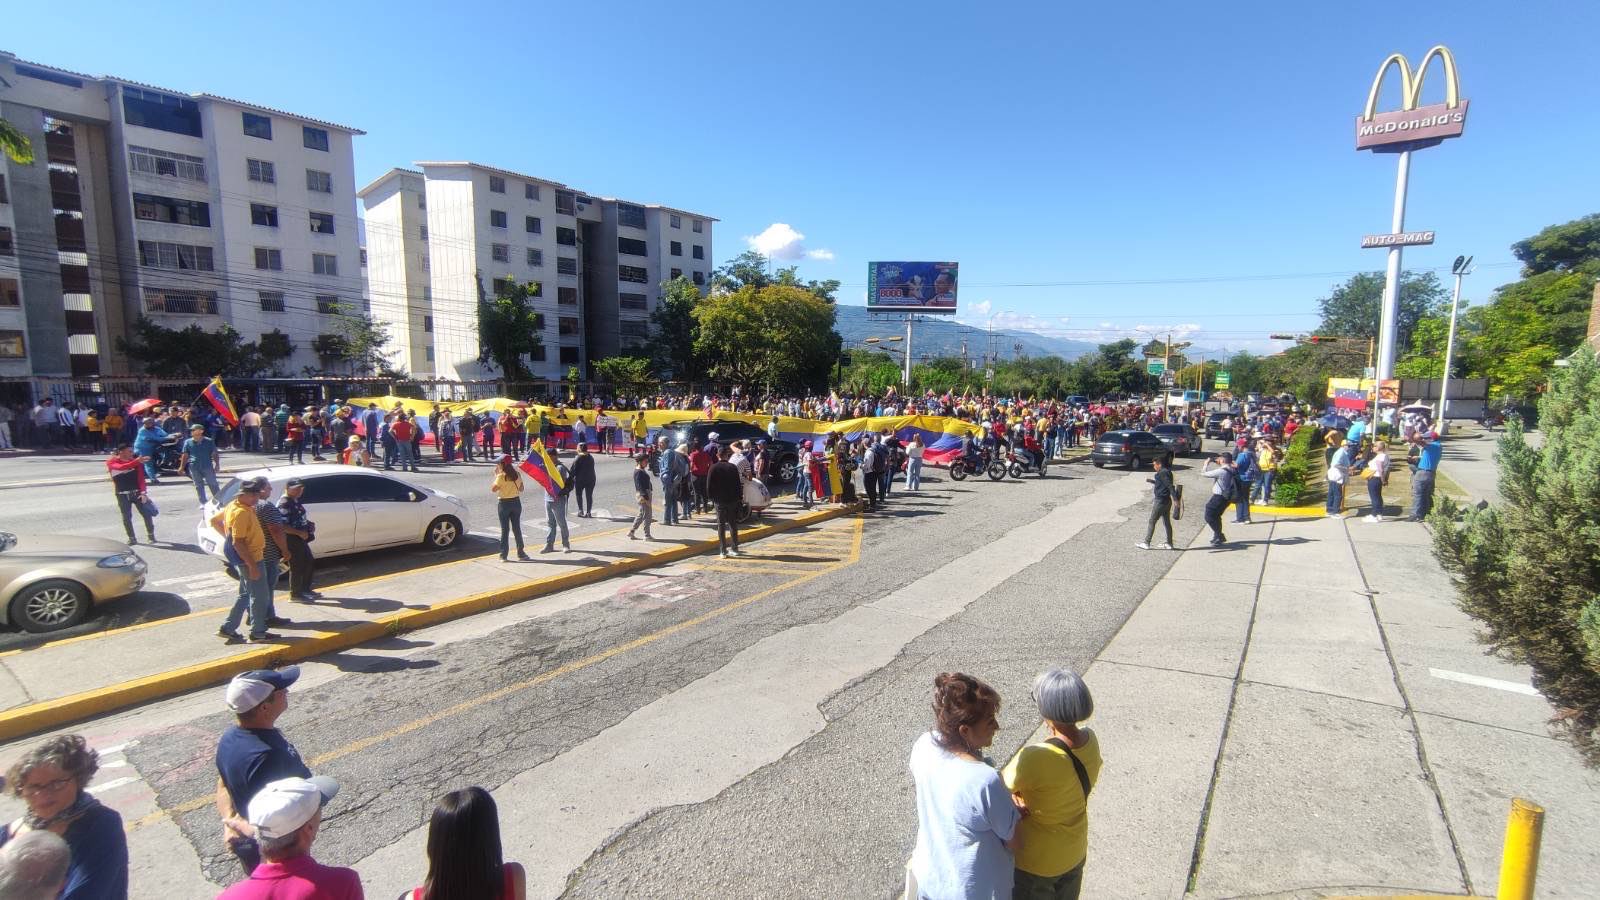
x=143, y=405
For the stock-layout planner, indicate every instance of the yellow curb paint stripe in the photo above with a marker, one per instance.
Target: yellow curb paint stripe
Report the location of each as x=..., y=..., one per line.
x=30, y=719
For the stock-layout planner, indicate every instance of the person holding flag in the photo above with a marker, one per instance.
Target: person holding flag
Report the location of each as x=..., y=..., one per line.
x=219, y=400
x=557, y=483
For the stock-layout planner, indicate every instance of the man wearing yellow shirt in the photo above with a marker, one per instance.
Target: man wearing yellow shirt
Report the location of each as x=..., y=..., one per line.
x=1053, y=781
x=239, y=526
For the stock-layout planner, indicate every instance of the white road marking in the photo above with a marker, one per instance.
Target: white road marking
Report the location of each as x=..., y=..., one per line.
x=193, y=579
x=113, y=783
x=118, y=748
x=1480, y=681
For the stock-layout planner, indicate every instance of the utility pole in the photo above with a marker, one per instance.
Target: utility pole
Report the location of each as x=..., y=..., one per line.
x=1461, y=269
x=907, y=378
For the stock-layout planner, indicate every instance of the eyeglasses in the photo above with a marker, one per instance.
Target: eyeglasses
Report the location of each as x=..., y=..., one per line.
x=47, y=787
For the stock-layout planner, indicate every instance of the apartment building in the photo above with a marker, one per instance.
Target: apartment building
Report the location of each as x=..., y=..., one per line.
x=183, y=208
x=437, y=232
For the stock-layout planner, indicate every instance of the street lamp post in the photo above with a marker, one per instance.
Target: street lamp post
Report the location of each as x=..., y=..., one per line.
x=1461, y=269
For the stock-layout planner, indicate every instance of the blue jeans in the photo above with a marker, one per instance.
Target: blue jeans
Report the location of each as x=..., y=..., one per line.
x=802, y=485
x=669, y=501
x=555, y=510
x=255, y=595
x=1335, y=498
x=914, y=473
x=1241, y=506
x=407, y=462
x=390, y=453
x=203, y=478
x=510, y=523
x=1263, y=487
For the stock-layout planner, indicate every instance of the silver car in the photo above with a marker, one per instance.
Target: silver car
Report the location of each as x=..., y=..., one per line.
x=51, y=581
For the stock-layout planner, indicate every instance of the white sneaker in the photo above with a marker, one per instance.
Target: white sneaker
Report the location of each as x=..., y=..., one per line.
x=1369, y=518
x=1142, y=545
x=1164, y=547
x=724, y=554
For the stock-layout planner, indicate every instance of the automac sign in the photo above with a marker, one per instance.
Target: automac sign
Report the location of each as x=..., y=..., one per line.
x=1412, y=127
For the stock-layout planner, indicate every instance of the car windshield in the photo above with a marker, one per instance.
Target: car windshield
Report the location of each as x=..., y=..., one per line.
x=1169, y=429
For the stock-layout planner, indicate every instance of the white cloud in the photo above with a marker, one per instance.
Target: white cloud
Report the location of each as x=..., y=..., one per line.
x=1178, y=332
x=781, y=242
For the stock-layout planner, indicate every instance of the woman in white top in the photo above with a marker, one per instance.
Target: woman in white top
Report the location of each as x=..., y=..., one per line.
x=914, y=452
x=1377, y=473
x=966, y=818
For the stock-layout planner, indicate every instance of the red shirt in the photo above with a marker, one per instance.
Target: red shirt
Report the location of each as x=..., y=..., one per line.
x=699, y=463
x=402, y=430
x=300, y=878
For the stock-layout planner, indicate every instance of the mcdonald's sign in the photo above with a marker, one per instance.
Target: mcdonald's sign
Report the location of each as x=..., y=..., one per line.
x=1412, y=127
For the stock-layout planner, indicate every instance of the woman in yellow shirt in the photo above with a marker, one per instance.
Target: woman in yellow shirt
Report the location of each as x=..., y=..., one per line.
x=1052, y=781
x=507, y=485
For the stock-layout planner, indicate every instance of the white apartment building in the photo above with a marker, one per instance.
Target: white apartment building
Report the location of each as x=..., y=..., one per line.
x=183, y=208
x=435, y=232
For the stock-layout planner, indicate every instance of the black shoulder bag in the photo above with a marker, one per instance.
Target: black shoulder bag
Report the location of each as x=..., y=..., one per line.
x=1077, y=765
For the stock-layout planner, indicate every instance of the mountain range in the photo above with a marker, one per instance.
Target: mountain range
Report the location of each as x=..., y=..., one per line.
x=940, y=336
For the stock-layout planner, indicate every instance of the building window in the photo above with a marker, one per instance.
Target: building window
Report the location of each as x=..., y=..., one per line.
x=530, y=191
x=637, y=328
x=533, y=225
x=497, y=185
x=497, y=218
x=427, y=294
x=425, y=263
x=677, y=248
x=699, y=252
x=321, y=223
x=424, y=232
x=567, y=237
x=699, y=278
x=698, y=226
x=314, y=138
x=675, y=220
x=264, y=215
x=538, y=354
x=633, y=301
x=427, y=323
x=4, y=197
x=566, y=203
x=151, y=109
x=363, y=252
x=567, y=325
x=422, y=201
x=535, y=256
x=677, y=273
x=569, y=356
x=164, y=255
x=566, y=265
x=630, y=216
x=257, y=126
x=269, y=258
x=261, y=170
x=151, y=208
x=10, y=294
x=567, y=296
x=500, y=252
x=503, y=285
x=271, y=301
x=321, y=182
x=181, y=303
x=632, y=247
x=634, y=274
x=6, y=244
x=324, y=264
x=329, y=305
x=147, y=161
x=12, y=346
x=428, y=353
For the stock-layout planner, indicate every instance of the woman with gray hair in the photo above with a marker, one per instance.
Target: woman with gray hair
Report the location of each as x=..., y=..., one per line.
x=33, y=866
x=51, y=780
x=1052, y=782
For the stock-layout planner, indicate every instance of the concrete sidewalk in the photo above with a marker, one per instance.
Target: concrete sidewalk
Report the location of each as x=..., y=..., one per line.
x=72, y=679
x=1308, y=713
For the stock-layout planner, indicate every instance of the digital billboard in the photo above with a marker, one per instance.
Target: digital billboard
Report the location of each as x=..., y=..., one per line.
x=927, y=287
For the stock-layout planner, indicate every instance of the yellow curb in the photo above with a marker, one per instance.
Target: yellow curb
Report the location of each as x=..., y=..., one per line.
x=1302, y=512
x=37, y=717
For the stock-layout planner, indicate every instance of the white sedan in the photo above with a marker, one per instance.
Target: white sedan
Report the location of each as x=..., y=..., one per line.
x=354, y=510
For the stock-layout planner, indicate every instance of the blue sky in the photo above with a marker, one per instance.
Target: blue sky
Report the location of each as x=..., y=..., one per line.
x=1097, y=169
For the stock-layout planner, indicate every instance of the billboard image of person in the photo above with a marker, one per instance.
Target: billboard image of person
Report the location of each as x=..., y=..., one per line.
x=928, y=287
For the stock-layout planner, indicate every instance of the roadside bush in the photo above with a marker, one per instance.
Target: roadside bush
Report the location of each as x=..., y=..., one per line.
x=1529, y=569
x=1294, y=469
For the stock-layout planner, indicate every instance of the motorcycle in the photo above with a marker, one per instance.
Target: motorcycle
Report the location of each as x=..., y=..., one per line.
x=168, y=454
x=1018, y=466
x=962, y=466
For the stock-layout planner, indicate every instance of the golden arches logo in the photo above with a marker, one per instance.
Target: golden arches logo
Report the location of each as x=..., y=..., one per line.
x=1411, y=87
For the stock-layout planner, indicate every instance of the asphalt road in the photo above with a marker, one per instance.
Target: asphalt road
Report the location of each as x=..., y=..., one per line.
x=182, y=579
x=707, y=729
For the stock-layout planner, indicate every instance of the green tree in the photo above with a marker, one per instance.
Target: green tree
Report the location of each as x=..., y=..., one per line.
x=15, y=145
x=762, y=337
x=194, y=352
x=673, y=330
x=1157, y=349
x=870, y=372
x=1425, y=357
x=752, y=269
x=508, y=327
x=1573, y=246
x=363, y=343
x=1527, y=325
x=1353, y=308
x=626, y=373
x=1529, y=569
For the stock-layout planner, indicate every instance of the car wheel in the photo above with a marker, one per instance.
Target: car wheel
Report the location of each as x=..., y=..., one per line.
x=50, y=606
x=443, y=533
x=787, y=469
x=1099, y=465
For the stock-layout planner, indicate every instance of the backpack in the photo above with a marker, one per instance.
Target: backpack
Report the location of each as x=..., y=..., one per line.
x=1250, y=470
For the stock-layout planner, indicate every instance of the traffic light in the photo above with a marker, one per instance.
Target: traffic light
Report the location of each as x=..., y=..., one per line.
x=1321, y=339
x=1281, y=337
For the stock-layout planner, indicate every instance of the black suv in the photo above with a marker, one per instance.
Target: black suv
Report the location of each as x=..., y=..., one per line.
x=783, y=457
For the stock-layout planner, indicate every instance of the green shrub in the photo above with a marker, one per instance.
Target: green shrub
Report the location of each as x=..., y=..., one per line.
x=1529, y=569
x=1296, y=466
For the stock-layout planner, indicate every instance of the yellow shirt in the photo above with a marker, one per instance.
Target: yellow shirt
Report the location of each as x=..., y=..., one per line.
x=506, y=488
x=93, y=424
x=1055, y=832
x=248, y=538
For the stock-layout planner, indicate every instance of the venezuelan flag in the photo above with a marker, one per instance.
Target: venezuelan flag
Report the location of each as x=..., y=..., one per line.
x=541, y=468
x=835, y=478
x=218, y=398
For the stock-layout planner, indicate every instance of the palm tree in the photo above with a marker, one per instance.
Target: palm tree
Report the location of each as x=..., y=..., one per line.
x=15, y=144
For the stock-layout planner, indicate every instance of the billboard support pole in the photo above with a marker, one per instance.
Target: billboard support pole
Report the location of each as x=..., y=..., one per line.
x=909, y=319
x=1387, y=325
x=1450, y=348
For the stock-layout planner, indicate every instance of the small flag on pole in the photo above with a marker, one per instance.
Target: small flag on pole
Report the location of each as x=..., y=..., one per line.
x=541, y=468
x=218, y=398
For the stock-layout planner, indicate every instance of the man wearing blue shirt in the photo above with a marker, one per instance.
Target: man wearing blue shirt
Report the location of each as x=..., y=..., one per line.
x=201, y=459
x=1427, y=469
x=1338, y=475
x=254, y=753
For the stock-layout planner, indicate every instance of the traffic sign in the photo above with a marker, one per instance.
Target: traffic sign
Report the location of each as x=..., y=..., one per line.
x=1224, y=380
x=1154, y=366
x=988, y=374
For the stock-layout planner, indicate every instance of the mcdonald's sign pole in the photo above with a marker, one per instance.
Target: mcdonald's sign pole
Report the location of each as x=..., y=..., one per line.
x=1411, y=127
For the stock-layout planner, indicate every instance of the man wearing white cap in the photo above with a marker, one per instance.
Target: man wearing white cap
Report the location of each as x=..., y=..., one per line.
x=286, y=815
x=253, y=753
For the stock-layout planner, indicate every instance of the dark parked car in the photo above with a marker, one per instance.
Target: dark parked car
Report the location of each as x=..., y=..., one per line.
x=1133, y=449
x=783, y=457
x=1214, y=425
x=1179, y=437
